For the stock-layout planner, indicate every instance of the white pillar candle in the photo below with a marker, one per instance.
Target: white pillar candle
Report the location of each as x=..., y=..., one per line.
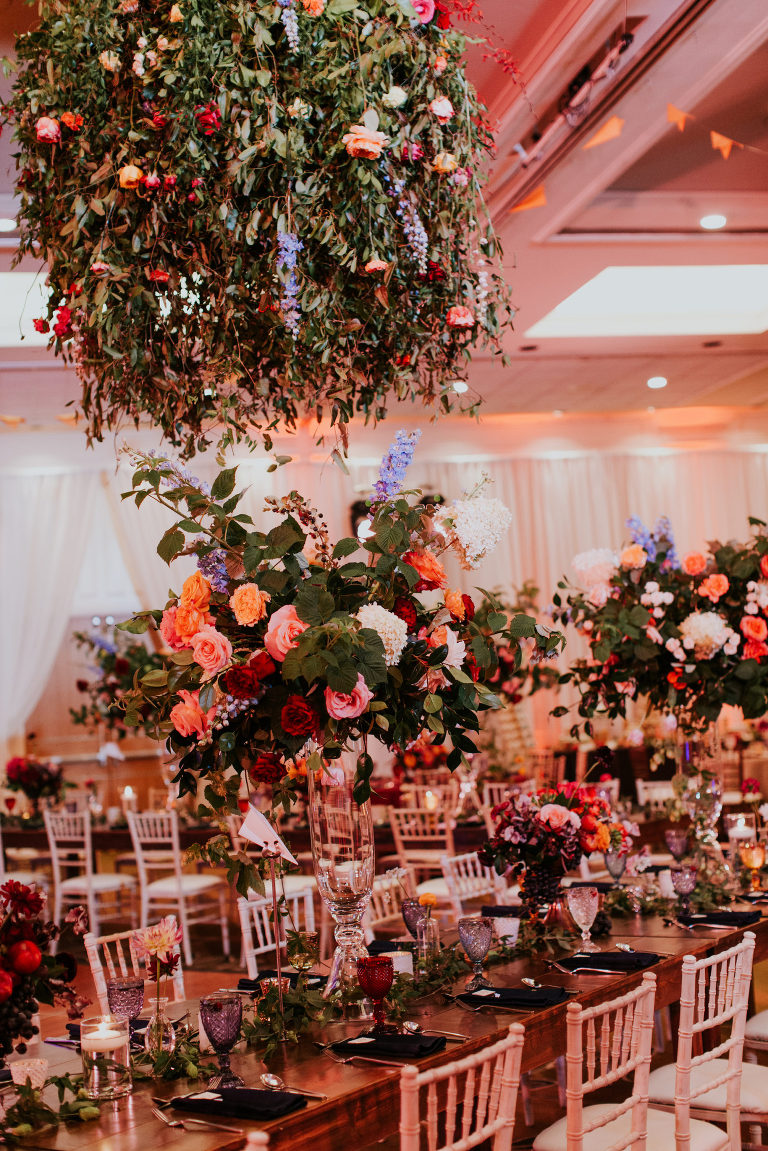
x=104, y=1038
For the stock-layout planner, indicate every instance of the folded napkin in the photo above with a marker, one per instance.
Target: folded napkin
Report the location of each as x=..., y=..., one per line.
x=618, y=961
x=602, y=885
x=722, y=918
x=5, y=1074
x=382, y=946
x=245, y=984
x=527, y=998
x=391, y=1046
x=756, y=896
x=501, y=910
x=240, y=1103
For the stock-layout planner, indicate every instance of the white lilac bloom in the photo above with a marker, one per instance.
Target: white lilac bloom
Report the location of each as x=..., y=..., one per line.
x=597, y=566
x=705, y=633
x=477, y=526
x=392, y=630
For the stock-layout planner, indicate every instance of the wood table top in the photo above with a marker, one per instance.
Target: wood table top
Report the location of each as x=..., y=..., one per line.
x=363, y=1100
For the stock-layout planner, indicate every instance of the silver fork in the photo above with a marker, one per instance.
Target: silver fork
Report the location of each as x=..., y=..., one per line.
x=182, y=1123
x=359, y=1059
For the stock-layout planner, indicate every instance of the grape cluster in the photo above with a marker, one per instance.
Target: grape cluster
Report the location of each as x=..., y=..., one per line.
x=16, y=1018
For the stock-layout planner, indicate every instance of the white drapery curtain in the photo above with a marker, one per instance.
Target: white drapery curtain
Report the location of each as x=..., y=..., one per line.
x=44, y=526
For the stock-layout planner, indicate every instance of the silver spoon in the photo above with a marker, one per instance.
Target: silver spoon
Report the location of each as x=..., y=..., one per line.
x=414, y=1028
x=531, y=983
x=275, y=1083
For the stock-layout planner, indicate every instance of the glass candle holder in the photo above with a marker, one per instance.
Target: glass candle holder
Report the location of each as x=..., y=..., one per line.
x=753, y=857
x=31, y=1071
x=105, y=1043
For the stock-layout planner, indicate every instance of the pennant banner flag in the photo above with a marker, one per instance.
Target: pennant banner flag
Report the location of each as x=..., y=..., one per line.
x=723, y=144
x=675, y=116
x=610, y=130
x=535, y=199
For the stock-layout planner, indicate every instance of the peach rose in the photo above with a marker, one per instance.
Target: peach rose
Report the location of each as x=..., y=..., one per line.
x=341, y=705
x=249, y=603
x=445, y=162
x=454, y=601
x=211, y=650
x=188, y=621
x=635, y=556
x=376, y=265
x=439, y=65
x=175, y=16
x=48, y=130
x=188, y=717
x=365, y=143
x=714, y=587
x=694, y=563
x=430, y=569
x=168, y=630
x=754, y=627
x=460, y=317
x=313, y=7
x=130, y=176
x=283, y=632
x=555, y=815
x=196, y=592
x=442, y=108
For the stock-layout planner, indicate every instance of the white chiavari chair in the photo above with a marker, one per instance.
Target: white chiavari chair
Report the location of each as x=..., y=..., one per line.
x=426, y=795
x=483, y=1087
x=604, y=1044
x=30, y=878
x=653, y=795
x=468, y=881
x=422, y=837
x=383, y=910
x=257, y=1141
x=259, y=930
x=714, y=1086
x=109, y=952
x=546, y=768
x=69, y=841
x=193, y=899
x=295, y=881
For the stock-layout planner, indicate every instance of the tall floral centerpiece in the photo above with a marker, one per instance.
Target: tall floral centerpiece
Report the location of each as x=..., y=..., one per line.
x=116, y=661
x=538, y=838
x=687, y=633
x=280, y=655
x=250, y=212
x=34, y=779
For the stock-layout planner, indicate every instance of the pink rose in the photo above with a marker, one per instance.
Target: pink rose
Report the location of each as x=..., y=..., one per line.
x=283, y=631
x=425, y=10
x=168, y=630
x=460, y=317
x=557, y=816
x=48, y=130
x=211, y=650
x=343, y=706
x=599, y=595
x=188, y=717
x=442, y=108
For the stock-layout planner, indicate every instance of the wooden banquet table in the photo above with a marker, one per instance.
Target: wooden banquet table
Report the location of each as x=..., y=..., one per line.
x=363, y=1100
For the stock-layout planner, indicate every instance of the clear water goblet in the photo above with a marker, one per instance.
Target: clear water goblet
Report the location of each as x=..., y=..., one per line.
x=413, y=914
x=676, y=839
x=476, y=935
x=221, y=1017
x=616, y=863
x=583, y=904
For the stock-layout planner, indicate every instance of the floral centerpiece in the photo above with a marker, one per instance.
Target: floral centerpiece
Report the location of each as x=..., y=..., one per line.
x=35, y=779
x=278, y=656
x=538, y=838
x=423, y=754
x=158, y=945
x=250, y=236
x=28, y=974
x=688, y=634
x=117, y=661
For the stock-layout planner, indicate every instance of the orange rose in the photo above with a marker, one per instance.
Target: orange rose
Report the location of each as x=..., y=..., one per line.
x=283, y=632
x=196, y=592
x=168, y=630
x=445, y=162
x=430, y=569
x=211, y=650
x=714, y=587
x=188, y=717
x=754, y=627
x=249, y=603
x=454, y=601
x=188, y=621
x=130, y=176
x=313, y=7
x=635, y=556
x=376, y=265
x=365, y=143
x=753, y=649
x=694, y=563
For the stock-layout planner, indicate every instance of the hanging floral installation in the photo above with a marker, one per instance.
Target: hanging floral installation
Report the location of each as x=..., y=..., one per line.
x=251, y=212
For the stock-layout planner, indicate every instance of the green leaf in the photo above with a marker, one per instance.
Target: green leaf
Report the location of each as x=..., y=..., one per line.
x=224, y=484
x=345, y=547
x=171, y=544
x=432, y=704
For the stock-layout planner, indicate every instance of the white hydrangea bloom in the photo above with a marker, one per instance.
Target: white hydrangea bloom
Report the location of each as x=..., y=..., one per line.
x=478, y=525
x=392, y=630
x=599, y=565
x=705, y=633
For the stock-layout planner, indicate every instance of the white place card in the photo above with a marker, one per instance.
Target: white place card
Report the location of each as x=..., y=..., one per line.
x=362, y=1039
x=485, y=992
x=257, y=828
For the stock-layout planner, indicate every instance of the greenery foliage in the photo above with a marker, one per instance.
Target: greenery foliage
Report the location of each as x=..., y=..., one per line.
x=29, y=1112
x=117, y=664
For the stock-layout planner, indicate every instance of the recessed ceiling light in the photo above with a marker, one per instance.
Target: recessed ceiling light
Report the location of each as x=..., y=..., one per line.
x=7, y=224
x=713, y=221
x=650, y=409
x=657, y=382
x=460, y=387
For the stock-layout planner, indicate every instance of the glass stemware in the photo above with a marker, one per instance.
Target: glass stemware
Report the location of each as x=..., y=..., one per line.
x=753, y=857
x=413, y=914
x=616, y=863
x=676, y=839
x=126, y=997
x=303, y=950
x=221, y=1017
x=583, y=903
x=375, y=974
x=476, y=935
x=684, y=881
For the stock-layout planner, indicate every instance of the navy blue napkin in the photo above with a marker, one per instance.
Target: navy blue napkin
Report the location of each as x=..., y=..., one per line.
x=602, y=885
x=242, y=1103
x=526, y=998
x=392, y=1046
x=618, y=961
x=722, y=918
x=501, y=910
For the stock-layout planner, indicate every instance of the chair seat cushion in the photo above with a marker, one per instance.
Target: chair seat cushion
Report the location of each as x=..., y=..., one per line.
x=190, y=885
x=757, y=1026
x=661, y=1132
x=29, y=878
x=438, y=887
x=291, y=883
x=754, y=1086
x=97, y=883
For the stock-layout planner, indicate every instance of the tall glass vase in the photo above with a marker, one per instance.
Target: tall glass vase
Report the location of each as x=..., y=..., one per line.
x=342, y=857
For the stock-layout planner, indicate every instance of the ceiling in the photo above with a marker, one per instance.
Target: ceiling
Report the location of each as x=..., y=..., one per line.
x=632, y=201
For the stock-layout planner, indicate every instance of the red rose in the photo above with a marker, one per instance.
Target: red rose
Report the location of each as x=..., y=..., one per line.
x=122, y=666
x=674, y=677
x=169, y=182
x=472, y=666
x=469, y=606
x=63, y=325
x=297, y=717
x=208, y=118
x=41, y=326
x=262, y=664
x=159, y=276
x=241, y=682
x=152, y=182
x=159, y=121
x=754, y=649
x=764, y=565
x=404, y=610
x=443, y=18
x=268, y=768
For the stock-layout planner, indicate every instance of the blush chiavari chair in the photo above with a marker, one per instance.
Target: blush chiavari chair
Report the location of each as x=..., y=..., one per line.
x=383, y=910
x=713, y=1086
x=653, y=795
x=108, y=951
x=468, y=880
x=604, y=1044
x=422, y=837
x=29, y=878
x=483, y=1110
x=546, y=768
x=259, y=931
